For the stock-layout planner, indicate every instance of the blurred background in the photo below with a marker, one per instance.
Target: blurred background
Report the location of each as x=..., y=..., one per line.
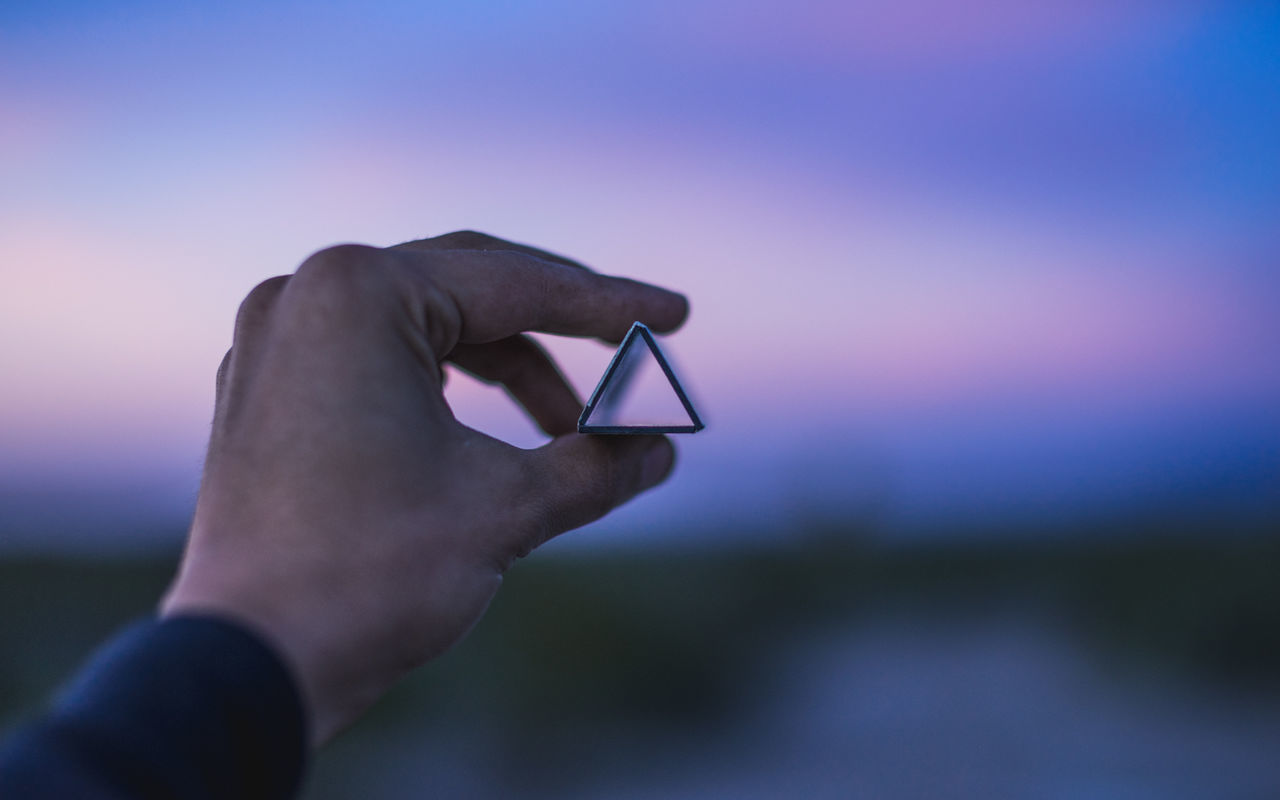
x=984, y=330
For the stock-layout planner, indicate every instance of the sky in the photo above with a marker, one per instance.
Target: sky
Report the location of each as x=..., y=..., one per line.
x=953, y=268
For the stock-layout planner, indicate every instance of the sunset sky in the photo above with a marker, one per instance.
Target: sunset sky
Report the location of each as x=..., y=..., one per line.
x=951, y=265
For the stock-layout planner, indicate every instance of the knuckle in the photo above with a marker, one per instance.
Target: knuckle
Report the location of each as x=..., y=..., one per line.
x=257, y=304
x=442, y=318
x=340, y=264
x=343, y=278
x=223, y=366
x=469, y=240
x=263, y=295
x=220, y=377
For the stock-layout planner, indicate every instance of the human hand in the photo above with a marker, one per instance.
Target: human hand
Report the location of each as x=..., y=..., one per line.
x=344, y=513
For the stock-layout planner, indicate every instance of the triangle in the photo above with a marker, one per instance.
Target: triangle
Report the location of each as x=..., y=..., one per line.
x=608, y=411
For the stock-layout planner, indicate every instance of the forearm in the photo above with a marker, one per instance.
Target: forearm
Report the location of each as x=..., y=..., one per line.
x=190, y=707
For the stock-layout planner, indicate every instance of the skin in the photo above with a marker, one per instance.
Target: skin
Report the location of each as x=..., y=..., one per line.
x=345, y=514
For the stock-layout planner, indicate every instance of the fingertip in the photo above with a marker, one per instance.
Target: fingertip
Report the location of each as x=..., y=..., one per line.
x=684, y=306
x=661, y=309
x=658, y=463
x=673, y=314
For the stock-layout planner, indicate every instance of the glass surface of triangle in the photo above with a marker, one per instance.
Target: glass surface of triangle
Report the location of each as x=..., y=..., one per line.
x=639, y=393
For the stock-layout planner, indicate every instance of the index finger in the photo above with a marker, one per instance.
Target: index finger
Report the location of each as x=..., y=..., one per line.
x=475, y=240
x=497, y=294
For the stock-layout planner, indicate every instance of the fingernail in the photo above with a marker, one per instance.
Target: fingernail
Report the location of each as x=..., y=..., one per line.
x=657, y=463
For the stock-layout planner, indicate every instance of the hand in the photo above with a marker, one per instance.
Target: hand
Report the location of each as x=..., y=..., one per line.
x=344, y=513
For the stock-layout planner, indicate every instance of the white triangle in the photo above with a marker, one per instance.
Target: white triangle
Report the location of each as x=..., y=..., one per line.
x=639, y=393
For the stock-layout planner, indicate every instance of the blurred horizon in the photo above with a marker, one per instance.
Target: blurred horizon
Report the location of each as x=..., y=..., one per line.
x=1011, y=267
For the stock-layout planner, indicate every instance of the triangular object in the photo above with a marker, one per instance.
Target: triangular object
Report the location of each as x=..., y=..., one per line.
x=604, y=412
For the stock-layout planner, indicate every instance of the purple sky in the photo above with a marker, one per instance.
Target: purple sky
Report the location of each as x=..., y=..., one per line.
x=1020, y=264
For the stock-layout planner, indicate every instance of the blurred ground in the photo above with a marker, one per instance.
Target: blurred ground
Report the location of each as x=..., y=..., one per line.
x=1117, y=667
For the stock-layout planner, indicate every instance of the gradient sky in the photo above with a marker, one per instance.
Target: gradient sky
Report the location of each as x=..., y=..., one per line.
x=949, y=269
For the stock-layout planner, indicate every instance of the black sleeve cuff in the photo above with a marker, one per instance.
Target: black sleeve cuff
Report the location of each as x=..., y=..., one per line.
x=188, y=706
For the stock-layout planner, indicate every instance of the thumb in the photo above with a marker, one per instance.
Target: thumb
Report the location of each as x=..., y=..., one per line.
x=581, y=478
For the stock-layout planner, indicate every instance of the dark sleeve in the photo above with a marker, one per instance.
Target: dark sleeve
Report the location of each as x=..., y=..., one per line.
x=185, y=707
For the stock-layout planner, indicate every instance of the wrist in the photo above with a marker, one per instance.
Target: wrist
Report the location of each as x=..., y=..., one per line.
x=302, y=658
